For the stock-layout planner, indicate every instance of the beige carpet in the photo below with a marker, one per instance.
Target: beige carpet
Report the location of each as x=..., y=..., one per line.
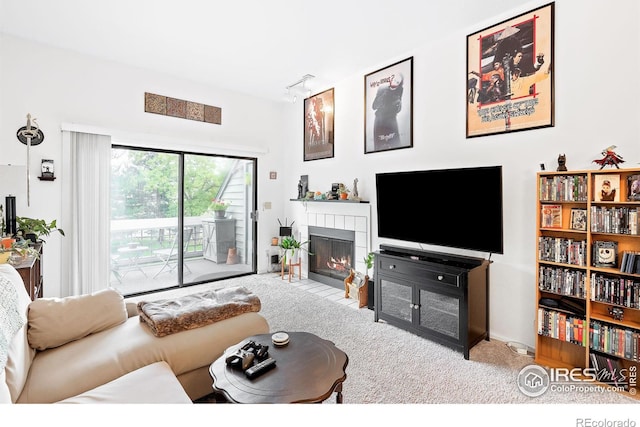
x=388, y=365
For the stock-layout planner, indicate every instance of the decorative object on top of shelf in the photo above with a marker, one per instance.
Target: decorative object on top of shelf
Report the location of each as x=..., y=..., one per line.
x=562, y=163
x=46, y=170
x=508, y=89
x=611, y=158
x=607, y=188
x=33, y=229
x=303, y=186
x=343, y=192
x=354, y=192
x=318, y=126
x=389, y=107
x=633, y=188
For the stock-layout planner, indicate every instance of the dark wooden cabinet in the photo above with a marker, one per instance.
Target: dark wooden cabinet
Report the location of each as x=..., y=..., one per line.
x=439, y=296
x=31, y=273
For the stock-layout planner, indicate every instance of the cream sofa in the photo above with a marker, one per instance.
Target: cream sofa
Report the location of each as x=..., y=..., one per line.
x=88, y=349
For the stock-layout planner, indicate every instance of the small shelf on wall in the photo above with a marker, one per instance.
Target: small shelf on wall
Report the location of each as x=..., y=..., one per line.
x=329, y=201
x=46, y=178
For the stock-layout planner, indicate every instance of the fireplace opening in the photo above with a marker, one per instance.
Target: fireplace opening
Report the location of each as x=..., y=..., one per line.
x=331, y=255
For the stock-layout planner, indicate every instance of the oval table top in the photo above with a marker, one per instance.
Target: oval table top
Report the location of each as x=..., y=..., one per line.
x=308, y=370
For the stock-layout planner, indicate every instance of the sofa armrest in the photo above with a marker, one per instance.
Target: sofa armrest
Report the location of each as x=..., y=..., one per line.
x=132, y=308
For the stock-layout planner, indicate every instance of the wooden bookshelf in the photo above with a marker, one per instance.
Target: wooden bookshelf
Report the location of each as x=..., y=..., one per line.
x=587, y=300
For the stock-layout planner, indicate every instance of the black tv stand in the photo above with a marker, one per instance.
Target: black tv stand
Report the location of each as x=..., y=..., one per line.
x=439, y=296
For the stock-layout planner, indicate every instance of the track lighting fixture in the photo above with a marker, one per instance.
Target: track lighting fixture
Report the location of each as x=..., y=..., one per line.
x=298, y=88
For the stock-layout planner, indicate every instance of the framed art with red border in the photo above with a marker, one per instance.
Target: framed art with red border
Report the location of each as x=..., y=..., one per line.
x=509, y=76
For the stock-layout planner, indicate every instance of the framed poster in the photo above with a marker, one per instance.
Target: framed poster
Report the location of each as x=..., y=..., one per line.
x=509, y=75
x=318, y=126
x=388, y=100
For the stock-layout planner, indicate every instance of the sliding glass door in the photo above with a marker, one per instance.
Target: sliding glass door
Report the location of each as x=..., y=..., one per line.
x=179, y=219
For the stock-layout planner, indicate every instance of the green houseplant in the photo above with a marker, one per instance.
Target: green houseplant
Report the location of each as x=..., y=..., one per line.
x=33, y=229
x=368, y=262
x=291, y=245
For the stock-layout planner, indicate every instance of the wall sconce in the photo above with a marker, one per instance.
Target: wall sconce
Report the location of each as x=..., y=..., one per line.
x=298, y=88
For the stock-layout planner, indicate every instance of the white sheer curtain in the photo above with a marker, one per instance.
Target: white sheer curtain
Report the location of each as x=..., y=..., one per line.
x=86, y=207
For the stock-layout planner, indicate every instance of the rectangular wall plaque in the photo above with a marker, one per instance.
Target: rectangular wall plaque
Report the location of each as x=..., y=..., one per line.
x=167, y=106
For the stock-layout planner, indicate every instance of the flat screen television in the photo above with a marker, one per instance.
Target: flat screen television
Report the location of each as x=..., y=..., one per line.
x=457, y=208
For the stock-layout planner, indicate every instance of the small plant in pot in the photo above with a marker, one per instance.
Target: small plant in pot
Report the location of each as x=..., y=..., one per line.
x=368, y=262
x=291, y=245
x=34, y=229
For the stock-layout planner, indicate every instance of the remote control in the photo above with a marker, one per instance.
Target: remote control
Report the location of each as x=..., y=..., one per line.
x=260, y=368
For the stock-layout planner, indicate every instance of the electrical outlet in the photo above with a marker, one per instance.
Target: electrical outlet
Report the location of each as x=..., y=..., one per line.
x=267, y=205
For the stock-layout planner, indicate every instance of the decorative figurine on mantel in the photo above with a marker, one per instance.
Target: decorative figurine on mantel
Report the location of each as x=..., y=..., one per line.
x=562, y=163
x=610, y=158
x=354, y=192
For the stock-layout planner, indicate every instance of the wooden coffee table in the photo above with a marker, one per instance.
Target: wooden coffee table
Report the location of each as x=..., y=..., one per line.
x=308, y=370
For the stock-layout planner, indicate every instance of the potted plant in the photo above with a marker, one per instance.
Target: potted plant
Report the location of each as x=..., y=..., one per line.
x=219, y=207
x=33, y=229
x=291, y=246
x=343, y=192
x=368, y=262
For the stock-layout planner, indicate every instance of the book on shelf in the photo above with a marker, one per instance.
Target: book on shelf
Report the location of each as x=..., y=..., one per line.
x=607, y=188
x=579, y=219
x=633, y=188
x=551, y=216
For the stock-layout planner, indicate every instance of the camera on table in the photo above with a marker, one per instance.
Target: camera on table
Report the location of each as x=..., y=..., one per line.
x=244, y=356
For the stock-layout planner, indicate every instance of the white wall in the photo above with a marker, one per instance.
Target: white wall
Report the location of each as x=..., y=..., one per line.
x=596, y=59
x=58, y=87
x=593, y=43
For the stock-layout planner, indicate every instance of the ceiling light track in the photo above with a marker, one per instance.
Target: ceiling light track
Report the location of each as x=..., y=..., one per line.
x=298, y=88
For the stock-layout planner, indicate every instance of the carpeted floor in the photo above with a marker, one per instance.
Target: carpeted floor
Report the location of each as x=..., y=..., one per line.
x=391, y=366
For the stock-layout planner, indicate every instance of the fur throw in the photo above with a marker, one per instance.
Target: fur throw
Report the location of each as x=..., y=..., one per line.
x=166, y=317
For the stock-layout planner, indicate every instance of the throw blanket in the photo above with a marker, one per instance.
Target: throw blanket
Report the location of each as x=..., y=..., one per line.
x=11, y=320
x=192, y=311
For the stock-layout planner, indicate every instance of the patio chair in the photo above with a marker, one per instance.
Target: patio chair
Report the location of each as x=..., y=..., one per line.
x=169, y=257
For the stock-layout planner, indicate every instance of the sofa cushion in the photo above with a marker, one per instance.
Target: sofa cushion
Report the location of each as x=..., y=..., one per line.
x=155, y=383
x=74, y=368
x=57, y=321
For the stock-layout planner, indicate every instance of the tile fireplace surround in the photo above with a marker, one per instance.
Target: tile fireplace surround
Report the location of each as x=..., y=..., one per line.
x=342, y=216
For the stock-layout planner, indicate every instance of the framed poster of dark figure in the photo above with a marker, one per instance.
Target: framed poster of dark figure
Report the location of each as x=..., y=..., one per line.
x=318, y=126
x=509, y=75
x=388, y=100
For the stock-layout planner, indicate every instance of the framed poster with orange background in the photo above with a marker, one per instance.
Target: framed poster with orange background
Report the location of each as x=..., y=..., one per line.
x=509, y=75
